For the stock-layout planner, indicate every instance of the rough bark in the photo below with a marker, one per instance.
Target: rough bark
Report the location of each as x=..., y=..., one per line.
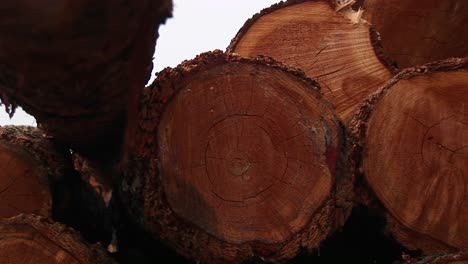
x=420, y=31
x=237, y=158
x=344, y=56
x=28, y=239
x=76, y=66
x=411, y=155
x=30, y=165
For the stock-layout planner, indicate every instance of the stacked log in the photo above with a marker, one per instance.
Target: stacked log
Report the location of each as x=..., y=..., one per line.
x=412, y=153
x=420, y=31
x=345, y=57
x=73, y=65
x=30, y=164
x=28, y=239
x=237, y=158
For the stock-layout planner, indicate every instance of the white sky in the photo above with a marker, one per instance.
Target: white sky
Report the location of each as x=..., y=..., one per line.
x=196, y=27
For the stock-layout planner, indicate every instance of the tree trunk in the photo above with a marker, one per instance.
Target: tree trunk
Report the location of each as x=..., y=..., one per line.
x=413, y=153
x=236, y=158
x=74, y=65
x=28, y=239
x=30, y=164
x=420, y=31
x=344, y=57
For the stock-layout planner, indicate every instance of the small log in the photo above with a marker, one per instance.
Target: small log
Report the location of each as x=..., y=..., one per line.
x=412, y=153
x=28, y=239
x=236, y=158
x=345, y=57
x=420, y=31
x=78, y=65
x=30, y=164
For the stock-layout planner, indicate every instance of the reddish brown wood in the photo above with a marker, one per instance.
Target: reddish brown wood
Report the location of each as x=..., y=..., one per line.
x=28, y=239
x=30, y=164
x=420, y=31
x=237, y=157
x=345, y=57
x=74, y=65
x=412, y=152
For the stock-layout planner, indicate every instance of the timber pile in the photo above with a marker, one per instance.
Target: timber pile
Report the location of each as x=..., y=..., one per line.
x=302, y=140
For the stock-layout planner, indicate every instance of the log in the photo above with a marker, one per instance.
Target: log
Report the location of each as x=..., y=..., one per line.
x=235, y=158
x=411, y=154
x=454, y=258
x=76, y=66
x=420, y=31
x=28, y=239
x=345, y=57
x=30, y=164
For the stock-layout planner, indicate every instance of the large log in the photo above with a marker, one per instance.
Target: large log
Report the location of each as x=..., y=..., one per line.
x=420, y=31
x=345, y=57
x=73, y=65
x=236, y=158
x=29, y=239
x=30, y=165
x=412, y=152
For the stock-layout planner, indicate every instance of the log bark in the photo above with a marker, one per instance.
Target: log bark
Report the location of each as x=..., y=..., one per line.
x=236, y=158
x=345, y=57
x=30, y=165
x=411, y=152
x=28, y=239
x=73, y=65
x=420, y=31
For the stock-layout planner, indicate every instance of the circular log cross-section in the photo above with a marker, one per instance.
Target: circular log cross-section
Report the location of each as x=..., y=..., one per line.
x=29, y=163
x=420, y=31
x=248, y=154
x=346, y=59
x=28, y=239
x=414, y=135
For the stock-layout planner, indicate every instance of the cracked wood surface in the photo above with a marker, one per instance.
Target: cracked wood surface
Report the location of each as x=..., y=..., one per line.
x=77, y=66
x=30, y=239
x=414, y=139
x=420, y=31
x=29, y=164
x=237, y=158
x=346, y=59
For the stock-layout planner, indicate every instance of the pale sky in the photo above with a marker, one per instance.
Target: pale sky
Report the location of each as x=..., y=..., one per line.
x=196, y=27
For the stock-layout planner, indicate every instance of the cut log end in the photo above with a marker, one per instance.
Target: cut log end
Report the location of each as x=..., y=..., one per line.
x=421, y=31
x=28, y=164
x=414, y=134
x=28, y=239
x=248, y=154
x=312, y=36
